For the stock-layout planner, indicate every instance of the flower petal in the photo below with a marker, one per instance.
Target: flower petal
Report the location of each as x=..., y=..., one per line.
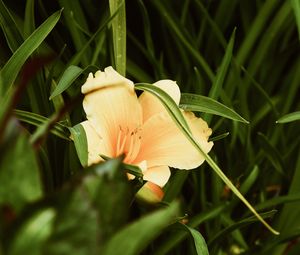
x=163, y=143
x=109, y=77
x=158, y=175
x=96, y=144
x=152, y=105
x=116, y=115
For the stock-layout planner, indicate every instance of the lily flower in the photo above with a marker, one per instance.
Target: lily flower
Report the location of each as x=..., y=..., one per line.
x=118, y=122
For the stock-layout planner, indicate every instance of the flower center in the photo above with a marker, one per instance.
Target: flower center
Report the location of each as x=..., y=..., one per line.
x=128, y=143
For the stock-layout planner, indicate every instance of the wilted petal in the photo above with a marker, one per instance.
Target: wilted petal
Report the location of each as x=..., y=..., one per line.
x=164, y=144
x=96, y=145
x=152, y=105
x=158, y=175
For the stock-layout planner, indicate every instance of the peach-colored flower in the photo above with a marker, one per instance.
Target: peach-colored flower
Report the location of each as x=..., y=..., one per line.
x=118, y=122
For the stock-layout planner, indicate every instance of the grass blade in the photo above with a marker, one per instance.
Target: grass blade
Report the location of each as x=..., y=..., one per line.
x=11, y=69
x=293, y=116
x=296, y=7
x=135, y=237
x=177, y=116
x=198, y=103
x=119, y=34
x=79, y=137
x=199, y=241
x=38, y=120
x=68, y=77
x=10, y=29
x=216, y=88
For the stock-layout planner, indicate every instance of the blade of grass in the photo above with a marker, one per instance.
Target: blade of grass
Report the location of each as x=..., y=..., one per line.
x=10, y=29
x=119, y=34
x=77, y=58
x=293, y=116
x=68, y=77
x=182, y=36
x=221, y=235
x=296, y=8
x=29, y=22
x=38, y=120
x=192, y=102
x=136, y=236
x=199, y=241
x=178, y=237
x=74, y=8
x=11, y=69
x=216, y=88
x=177, y=116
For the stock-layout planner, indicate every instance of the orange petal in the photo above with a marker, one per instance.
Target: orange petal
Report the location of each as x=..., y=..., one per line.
x=105, y=79
x=158, y=175
x=96, y=145
x=152, y=105
x=164, y=144
x=116, y=115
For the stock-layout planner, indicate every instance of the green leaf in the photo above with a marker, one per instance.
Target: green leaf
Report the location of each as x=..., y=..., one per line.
x=198, y=103
x=296, y=7
x=108, y=180
x=119, y=34
x=199, y=241
x=136, y=236
x=76, y=229
x=29, y=23
x=11, y=69
x=179, y=236
x=10, y=29
x=86, y=218
x=293, y=116
x=81, y=54
x=177, y=116
x=68, y=77
x=219, y=137
x=222, y=234
x=79, y=137
x=33, y=234
x=278, y=201
x=131, y=169
x=216, y=88
x=38, y=120
x=19, y=172
x=272, y=153
x=182, y=35
x=218, y=82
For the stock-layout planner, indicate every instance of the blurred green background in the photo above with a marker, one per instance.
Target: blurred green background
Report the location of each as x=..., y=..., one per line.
x=243, y=54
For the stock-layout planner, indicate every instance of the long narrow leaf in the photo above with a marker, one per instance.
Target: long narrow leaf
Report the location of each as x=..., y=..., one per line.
x=79, y=137
x=10, y=29
x=177, y=116
x=198, y=103
x=119, y=34
x=68, y=77
x=11, y=69
x=38, y=120
x=199, y=241
x=293, y=116
x=296, y=7
x=135, y=237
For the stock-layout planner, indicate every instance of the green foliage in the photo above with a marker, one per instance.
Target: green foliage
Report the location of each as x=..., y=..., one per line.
x=237, y=65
